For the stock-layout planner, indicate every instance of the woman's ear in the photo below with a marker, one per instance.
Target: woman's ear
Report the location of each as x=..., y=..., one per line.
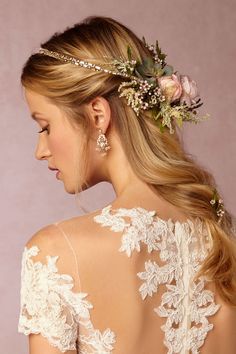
x=100, y=113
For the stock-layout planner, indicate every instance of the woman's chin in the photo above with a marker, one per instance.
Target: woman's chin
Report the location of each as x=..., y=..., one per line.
x=68, y=187
x=69, y=190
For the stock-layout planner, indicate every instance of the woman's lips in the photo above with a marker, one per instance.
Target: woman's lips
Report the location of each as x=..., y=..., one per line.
x=57, y=174
x=55, y=169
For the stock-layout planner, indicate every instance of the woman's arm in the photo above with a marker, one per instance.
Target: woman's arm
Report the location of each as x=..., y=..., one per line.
x=46, y=316
x=38, y=345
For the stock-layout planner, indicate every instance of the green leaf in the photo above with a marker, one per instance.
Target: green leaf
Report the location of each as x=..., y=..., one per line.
x=148, y=63
x=129, y=53
x=179, y=122
x=168, y=70
x=137, y=73
x=162, y=128
x=160, y=125
x=145, y=69
x=157, y=66
x=159, y=72
x=155, y=112
x=151, y=81
x=161, y=55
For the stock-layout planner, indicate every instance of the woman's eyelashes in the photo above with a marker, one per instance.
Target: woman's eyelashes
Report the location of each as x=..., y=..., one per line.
x=43, y=129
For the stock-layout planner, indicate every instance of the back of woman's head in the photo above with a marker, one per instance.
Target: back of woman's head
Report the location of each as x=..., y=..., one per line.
x=97, y=40
x=100, y=40
x=156, y=157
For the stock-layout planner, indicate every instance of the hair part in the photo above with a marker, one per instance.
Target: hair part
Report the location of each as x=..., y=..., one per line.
x=157, y=158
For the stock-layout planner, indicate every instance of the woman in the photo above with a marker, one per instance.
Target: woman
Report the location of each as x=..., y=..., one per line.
x=153, y=271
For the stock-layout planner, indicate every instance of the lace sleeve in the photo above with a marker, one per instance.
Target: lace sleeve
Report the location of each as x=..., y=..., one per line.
x=45, y=305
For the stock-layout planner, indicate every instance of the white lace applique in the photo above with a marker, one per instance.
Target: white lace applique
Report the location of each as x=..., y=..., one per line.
x=49, y=307
x=182, y=247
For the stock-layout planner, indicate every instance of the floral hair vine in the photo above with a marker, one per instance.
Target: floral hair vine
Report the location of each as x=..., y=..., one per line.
x=217, y=204
x=149, y=85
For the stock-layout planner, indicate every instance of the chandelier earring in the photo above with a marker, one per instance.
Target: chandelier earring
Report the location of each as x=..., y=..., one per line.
x=102, y=143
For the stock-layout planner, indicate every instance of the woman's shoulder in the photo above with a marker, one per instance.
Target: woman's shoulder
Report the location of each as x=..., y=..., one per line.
x=52, y=238
x=89, y=229
x=43, y=241
x=48, y=235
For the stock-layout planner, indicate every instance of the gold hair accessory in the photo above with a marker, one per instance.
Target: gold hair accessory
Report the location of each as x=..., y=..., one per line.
x=217, y=204
x=149, y=85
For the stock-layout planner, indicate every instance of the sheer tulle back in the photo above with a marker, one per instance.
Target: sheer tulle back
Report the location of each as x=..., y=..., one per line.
x=131, y=285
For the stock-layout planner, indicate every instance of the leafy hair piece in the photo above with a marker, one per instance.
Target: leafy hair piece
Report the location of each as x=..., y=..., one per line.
x=149, y=84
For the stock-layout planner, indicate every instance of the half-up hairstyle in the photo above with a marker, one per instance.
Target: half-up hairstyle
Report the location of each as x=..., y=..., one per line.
x=156, y=157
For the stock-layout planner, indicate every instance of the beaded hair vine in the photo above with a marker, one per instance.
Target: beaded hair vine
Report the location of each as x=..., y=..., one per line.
x=149, y=85
x=217, y=204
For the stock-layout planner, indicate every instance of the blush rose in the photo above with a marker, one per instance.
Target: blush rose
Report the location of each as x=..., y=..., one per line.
x=170, y=86
x=190, y=90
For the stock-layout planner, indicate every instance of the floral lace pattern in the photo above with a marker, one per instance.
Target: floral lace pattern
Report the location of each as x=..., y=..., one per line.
x=49, y=307
x=182, y=247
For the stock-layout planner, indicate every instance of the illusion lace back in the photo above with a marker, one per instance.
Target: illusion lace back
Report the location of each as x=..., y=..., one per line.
x=137, y=295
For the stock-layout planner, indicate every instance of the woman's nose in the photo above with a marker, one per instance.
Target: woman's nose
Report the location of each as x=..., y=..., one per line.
x=42, y=151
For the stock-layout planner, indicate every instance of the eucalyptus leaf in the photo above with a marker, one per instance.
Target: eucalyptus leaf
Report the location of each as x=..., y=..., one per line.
x=145, y=70
x=140, y=70
x=159, y=72
x=148, y=63
x=168, y=70
x=136, y=72
x=157, y=66
x=152, y=81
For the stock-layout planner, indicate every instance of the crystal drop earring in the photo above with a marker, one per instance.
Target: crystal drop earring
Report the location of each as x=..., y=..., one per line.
x=102, y=143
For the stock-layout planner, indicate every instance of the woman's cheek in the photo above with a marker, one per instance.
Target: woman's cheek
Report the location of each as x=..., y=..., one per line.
x=62, y=145
x=58, y=145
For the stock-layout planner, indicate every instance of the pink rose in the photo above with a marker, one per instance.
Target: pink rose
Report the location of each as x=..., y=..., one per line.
x=190, y=90
x=170, y=87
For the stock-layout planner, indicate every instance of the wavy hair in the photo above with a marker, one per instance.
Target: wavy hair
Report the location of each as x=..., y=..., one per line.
x=157, y=158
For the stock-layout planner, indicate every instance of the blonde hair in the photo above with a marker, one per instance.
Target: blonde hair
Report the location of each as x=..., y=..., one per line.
x=157, y=158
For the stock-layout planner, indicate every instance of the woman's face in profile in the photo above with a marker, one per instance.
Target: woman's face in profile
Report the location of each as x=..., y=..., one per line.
x=59, y=142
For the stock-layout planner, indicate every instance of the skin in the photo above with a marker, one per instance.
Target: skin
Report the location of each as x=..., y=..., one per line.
x=59, y=146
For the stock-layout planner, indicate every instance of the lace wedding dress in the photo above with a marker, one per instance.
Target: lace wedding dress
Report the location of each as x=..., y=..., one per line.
x=159, y=257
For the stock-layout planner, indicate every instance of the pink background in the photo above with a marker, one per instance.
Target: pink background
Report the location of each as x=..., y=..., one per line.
x=199, y=38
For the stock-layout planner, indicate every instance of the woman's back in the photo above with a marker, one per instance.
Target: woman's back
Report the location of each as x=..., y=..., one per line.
x=134, y=269
x=120, y=280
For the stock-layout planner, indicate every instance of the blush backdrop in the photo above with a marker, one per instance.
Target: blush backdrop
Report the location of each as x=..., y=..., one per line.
x=199, y=38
